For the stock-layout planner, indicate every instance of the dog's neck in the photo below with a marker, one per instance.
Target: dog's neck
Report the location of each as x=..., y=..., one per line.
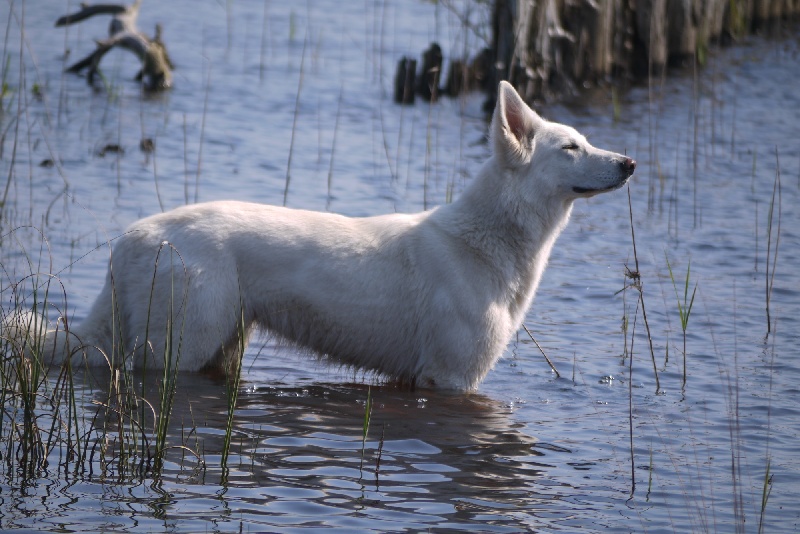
x=490, y=210
x=512, y=238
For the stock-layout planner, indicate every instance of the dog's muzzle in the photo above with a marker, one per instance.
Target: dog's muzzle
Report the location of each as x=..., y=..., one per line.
x=627, y=165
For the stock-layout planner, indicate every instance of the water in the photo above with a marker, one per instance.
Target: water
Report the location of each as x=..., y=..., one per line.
x=528, y=451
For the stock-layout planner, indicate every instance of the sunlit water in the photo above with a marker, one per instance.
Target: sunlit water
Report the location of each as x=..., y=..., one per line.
x=528, y=451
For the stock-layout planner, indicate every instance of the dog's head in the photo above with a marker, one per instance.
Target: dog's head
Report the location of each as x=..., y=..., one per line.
x=552, y=159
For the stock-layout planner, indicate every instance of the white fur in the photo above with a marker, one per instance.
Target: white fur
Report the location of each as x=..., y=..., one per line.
x=429, y=298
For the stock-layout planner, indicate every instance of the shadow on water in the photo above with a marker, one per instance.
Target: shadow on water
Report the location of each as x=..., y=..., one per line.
x=437, y=456
x=431, y=459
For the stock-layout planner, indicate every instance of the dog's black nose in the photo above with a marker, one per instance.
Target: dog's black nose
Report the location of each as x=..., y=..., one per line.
x=629, y=165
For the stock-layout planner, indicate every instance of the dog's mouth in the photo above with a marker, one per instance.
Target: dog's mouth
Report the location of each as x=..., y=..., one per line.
x=584, y=190
x=594, y=191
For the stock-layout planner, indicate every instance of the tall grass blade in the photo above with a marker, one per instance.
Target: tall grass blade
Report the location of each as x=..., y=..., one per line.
x=202, y=136
x=365, y=426
x=637, y=283
x=294, y=120
x=333, y=146
x=232, y=388
x=684, y=305
x=769, y=271
x=553, y=367
x=766, y=490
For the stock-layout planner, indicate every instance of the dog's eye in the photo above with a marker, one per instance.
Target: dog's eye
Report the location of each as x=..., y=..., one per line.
x=570, y=146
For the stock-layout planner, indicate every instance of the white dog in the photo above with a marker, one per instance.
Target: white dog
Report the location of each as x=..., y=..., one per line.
x=429, y=298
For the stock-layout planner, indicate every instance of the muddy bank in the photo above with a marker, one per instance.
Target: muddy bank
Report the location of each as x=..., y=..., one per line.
x=552, y=47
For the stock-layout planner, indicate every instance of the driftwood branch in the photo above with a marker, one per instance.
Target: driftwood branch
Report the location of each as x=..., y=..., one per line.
x=156, y=71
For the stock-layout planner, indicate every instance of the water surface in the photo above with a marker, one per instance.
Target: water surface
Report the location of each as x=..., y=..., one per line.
x=528, y=451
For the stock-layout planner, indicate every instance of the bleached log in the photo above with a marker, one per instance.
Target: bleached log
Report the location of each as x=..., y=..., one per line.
x=156, y=71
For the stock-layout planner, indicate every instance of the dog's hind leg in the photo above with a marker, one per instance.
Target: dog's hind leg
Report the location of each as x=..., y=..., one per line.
x=209, y=326
x=94, y=341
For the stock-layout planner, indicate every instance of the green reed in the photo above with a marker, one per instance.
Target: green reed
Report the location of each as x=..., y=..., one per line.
x=172, y=354
x=33, y=420
x=294, y=120
x=773, y=238
x=365, y=426
x=765, y=493
x=43, y=414
x=232, y=383
x=684, y=305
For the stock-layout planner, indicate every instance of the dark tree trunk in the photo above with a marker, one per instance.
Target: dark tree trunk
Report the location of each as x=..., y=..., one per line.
x=548, y=47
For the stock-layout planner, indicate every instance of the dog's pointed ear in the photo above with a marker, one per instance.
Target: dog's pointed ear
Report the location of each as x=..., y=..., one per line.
x=513, y=127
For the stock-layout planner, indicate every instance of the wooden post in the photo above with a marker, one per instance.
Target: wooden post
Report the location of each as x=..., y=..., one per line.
x=405, y=80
